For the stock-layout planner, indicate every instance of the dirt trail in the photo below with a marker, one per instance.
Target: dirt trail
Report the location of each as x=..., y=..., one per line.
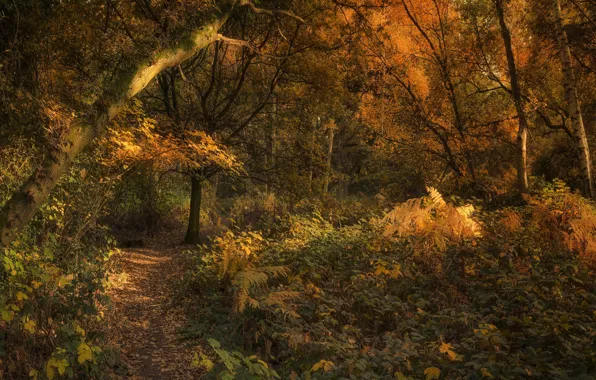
x=144, y=323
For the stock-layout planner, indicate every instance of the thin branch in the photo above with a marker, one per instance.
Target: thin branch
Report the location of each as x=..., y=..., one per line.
x=247, y=45
x=272, y=13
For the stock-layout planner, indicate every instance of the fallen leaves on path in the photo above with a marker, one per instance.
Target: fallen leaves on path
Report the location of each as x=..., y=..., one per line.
x=144, y=324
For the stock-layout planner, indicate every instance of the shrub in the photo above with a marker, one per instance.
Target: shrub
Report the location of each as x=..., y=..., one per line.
x=52, y=283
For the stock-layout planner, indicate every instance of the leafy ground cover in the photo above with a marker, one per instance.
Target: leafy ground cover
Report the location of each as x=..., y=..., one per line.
x=428, y=291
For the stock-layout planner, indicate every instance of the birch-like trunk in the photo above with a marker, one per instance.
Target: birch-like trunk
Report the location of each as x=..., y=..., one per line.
x=19, y=210
x=574, y=108
x=522, y=133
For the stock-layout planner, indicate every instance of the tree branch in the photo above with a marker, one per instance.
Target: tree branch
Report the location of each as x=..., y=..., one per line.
x=272, y=13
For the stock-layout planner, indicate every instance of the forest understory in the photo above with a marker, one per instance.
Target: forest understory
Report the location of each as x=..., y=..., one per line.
x=284, y=189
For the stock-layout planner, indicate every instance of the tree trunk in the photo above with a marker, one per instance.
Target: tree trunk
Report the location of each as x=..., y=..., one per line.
x=522, y=134
x=193, y=234
x=329, y=157
x=271, y=144
x=574, y=108
x=311, y=155
x=17, y=212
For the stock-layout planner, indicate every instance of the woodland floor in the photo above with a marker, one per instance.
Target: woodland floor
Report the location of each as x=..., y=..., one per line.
x=144, y=321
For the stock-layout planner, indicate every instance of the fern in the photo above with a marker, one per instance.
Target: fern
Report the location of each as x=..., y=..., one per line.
x=281, y=301
x=436, y=197
x=239, y=267
x=430, y=223
x=582, y=235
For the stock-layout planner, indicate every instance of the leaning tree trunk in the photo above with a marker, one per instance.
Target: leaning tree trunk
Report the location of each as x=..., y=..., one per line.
x=17, y=212
x=574, y=108
x=193, y=233
x=522, y=134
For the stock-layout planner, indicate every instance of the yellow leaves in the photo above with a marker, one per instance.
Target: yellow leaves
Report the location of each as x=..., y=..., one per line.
x=470, y=270
x=432, y=373
x=394, y=271
x=30, y=325
x=36, y=284
x=202, y=362
x=63, y=281
x=325, y=365
x=485, y=373
x=84, y=353
x=34, y=374
x=22, y=296
x=7, y=315
x=188, y=149
x=445, y=348
x=54, y=365
x=485, y=329
x=12, y=267
x=401, y=376
x=78, y=329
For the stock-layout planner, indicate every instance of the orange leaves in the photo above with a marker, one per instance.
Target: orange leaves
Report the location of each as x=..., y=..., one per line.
x=511, y=221
x=142, y=143
x=446, y=348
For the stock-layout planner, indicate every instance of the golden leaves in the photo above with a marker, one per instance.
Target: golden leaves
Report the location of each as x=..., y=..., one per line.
x=485, y=372
x=30, y=325
x=7, y=315
x=84, y=353
x=202, y=362
x=393, y=271
x=21, y=296
x=446, y=348
x=143, y=142
x=34, y=374
x=54, y=365
x=432, y=373
x=325, y=365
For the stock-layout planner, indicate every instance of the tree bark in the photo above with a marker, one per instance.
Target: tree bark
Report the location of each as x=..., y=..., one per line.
x=17, y=212
x=329, y=157
x=522, y=134
x=193, y=233
x=572, y=99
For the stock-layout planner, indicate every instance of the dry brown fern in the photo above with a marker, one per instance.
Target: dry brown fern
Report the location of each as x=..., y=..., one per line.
x=430, y=222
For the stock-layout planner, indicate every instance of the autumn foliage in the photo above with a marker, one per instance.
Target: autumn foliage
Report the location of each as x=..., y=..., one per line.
x=340, y=189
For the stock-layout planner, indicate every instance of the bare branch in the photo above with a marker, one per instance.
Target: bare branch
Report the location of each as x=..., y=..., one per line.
x=246, y=44
x=272, y=13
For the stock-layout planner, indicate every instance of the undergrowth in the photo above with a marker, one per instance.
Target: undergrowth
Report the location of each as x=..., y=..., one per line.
x=52, y=282
x=429, y=290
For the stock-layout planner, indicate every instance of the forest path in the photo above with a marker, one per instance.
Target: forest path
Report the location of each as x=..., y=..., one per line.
x=144, y=323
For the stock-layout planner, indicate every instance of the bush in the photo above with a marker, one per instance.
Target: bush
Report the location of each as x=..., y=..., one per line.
x=52, y=281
